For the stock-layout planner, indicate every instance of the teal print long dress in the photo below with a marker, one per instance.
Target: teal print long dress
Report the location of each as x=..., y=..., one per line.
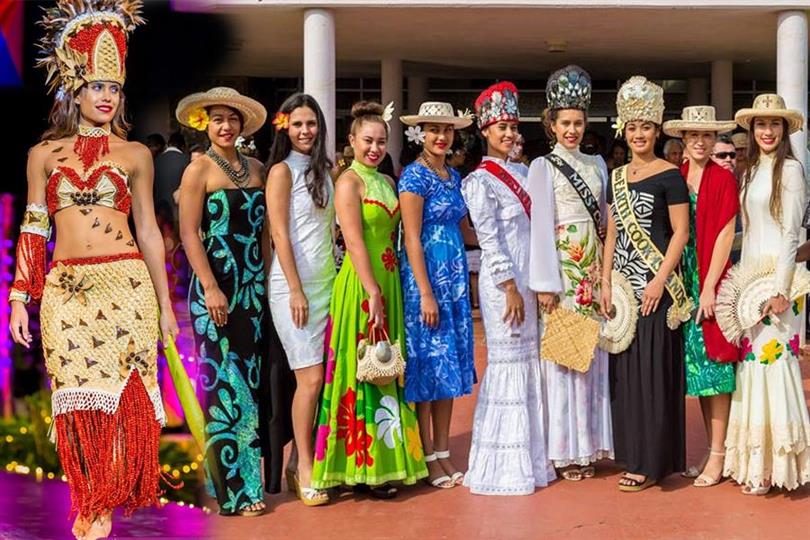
x=704, y=377
x=230, y=357
x=366, y=434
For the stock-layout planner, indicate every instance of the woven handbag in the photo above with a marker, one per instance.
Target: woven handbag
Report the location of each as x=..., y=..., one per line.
x=379, y=361
x=569, y=339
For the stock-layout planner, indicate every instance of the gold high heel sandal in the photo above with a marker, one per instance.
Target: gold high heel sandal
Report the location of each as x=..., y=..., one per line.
x=309, y=496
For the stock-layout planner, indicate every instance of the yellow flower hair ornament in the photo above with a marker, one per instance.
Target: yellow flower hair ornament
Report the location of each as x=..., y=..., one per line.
x=281, y=121
x=198, y=119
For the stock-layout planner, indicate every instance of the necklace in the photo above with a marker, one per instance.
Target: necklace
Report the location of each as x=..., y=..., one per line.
x=92, y=142
x=635, y=171
x=241, y=177
x=447, y=182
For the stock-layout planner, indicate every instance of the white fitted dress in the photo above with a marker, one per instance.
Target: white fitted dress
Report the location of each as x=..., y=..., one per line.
x=311, y=239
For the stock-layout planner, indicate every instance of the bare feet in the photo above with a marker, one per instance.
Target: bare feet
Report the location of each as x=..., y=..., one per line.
x=80, y=527
x=99, y=528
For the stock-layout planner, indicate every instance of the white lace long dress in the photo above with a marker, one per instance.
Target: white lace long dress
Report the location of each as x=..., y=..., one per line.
x=578, y=404
x=311, y=239
x=508, y=452
x=768, y=434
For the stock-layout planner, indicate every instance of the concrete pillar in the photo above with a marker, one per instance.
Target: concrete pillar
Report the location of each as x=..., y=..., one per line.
x=391, y=75
x=697, y=92
x=319, y=66
x=791, y=71
x=723, y=88
x=417, y=92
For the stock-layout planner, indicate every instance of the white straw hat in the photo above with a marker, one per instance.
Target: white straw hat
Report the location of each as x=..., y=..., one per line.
x=770, y=105
x=253, y=112
x=436, y=112
x=698, y=118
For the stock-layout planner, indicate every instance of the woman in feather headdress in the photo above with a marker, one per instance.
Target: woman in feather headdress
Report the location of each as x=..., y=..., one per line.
x=104, y=300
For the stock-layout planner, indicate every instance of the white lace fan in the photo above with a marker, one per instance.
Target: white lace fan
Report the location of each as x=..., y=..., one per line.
x=744, y=292
x=617, y=333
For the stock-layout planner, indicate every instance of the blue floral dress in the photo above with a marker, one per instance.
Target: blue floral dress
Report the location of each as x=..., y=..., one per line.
x=230, y=357
x=440, y=360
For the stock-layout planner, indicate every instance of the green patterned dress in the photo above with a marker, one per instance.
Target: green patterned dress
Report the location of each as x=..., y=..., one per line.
x=704, y=377
x=366, y=434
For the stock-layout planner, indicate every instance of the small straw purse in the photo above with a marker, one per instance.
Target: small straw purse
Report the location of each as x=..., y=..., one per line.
x=379, y=361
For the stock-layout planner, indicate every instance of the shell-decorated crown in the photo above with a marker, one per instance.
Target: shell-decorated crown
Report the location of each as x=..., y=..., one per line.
x=640, y=99
x=569, y=88
x=86, y=41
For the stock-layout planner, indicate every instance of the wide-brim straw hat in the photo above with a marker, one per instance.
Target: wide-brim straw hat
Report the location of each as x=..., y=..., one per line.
x=436, y=112
x=766, y=105
x=698, y=118
x=740, y=140
x=253, y=113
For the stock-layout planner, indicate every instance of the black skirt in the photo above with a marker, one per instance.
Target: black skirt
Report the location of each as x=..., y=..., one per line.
x=276, y=391
x=647, y=390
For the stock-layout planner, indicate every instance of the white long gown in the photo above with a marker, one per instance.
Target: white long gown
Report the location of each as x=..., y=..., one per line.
x=578, y=404
x=768, y=436
x=508, y=452
x=311, y=239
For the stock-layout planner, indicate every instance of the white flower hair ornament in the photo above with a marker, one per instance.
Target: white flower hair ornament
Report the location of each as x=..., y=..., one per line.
x=415, y=134
x=388, y=113
x=465, y=113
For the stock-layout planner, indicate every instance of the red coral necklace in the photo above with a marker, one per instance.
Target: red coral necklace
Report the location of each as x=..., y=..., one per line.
x=92, y=142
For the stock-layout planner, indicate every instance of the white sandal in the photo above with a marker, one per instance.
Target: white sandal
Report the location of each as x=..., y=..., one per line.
x=458, y=477
x=442, y=482
x=748, y=489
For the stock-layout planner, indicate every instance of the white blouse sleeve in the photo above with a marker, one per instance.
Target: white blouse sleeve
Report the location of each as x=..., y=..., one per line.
x=794, y=199
x=544, y=264
x=482, y=204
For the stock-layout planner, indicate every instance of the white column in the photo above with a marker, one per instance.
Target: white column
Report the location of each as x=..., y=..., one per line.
x=723, y=88
x=391, y=75
x=791, y=71
x=417, y=92
x=319, y=66
x=697, y=93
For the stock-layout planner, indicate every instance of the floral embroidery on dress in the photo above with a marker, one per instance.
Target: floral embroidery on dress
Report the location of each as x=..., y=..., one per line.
x=771, y=352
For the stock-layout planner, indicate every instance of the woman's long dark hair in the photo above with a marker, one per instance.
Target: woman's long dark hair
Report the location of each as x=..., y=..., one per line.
x=783, y=152
x=319, y=163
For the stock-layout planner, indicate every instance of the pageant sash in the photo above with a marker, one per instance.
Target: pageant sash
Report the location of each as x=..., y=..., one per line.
x=582, y=189
x=510, y=182
x=682, y=306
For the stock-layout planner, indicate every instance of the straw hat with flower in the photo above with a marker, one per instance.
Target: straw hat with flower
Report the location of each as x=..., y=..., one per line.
x=191, y=111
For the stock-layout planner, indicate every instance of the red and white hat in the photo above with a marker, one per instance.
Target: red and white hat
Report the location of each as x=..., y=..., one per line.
x=498, y=103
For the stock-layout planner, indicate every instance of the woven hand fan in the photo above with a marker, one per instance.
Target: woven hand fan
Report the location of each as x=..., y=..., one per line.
x=617, y=333
x=569, y=339
x=744, y=292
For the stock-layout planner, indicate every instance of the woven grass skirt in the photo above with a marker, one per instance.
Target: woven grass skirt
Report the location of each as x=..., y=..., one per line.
x=99, y=321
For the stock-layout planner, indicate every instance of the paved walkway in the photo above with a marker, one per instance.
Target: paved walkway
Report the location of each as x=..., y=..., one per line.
x=565, y=510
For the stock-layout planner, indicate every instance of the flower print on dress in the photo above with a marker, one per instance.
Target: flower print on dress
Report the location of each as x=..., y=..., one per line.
x=793, y=344
x=771, y=352
x=363, y=441
x=330, y=366
x=584, y=293
x=747, y=349
x=414, y=442
x=389, y=259
x=346, y=420
x=321, y=441
x=388, y=423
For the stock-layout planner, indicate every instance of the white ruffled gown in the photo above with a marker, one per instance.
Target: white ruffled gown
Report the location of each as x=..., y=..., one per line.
x=508, y=452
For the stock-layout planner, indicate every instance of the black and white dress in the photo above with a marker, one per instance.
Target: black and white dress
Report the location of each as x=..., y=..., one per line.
x=647, y=380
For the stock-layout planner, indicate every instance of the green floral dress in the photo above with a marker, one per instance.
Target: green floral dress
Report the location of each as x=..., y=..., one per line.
x=704, y=377
x=366, y=434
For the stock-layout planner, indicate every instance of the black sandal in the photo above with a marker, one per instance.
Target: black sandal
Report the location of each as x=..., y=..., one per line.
x=384, y=492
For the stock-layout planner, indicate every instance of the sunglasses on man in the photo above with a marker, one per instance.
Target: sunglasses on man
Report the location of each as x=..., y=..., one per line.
x=725, y=155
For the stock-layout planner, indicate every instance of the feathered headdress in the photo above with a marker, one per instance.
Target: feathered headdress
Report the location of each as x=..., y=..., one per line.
x=86, y=41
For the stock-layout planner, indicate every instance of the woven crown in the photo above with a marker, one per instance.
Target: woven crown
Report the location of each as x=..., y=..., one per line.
x=86, y=41
x=640, y=99
x=569, y=88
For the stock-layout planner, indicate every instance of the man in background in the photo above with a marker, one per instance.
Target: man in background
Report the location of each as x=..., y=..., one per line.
x=673, y=151
x=725, y=154
x=169, y=167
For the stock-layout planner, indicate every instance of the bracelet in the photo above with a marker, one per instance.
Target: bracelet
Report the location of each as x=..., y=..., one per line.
x=15, y=295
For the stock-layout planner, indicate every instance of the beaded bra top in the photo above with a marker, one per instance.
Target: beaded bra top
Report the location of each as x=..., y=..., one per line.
x=104, y=184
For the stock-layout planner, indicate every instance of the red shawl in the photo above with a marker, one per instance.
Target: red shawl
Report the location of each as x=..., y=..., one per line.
x=717, y=203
